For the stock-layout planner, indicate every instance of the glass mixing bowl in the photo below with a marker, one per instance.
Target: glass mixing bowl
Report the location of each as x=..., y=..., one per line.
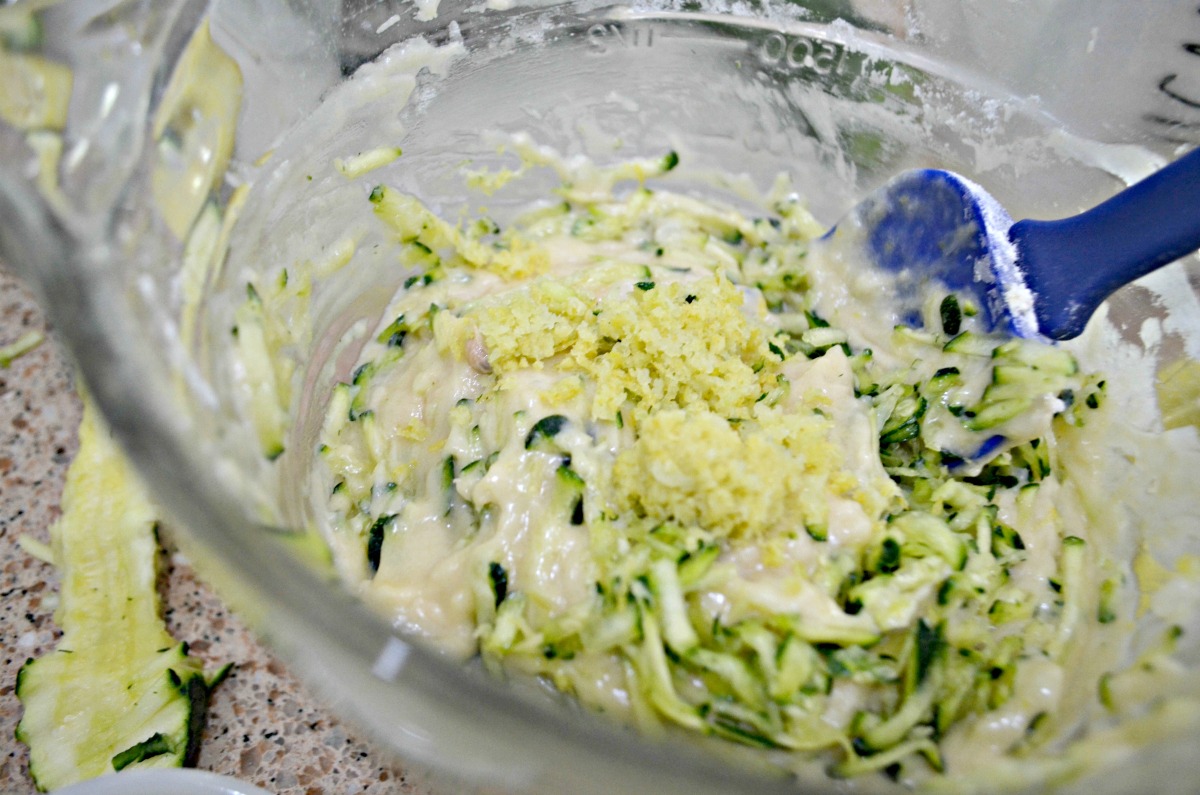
x=193, y=146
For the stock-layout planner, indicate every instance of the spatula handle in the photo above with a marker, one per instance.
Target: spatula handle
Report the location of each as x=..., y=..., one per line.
x=1073, y=264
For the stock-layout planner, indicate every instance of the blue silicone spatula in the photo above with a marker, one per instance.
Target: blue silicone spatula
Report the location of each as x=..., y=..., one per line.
x=1029, y=278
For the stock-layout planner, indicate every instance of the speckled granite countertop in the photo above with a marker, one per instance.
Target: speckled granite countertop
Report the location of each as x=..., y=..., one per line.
x=262, y=724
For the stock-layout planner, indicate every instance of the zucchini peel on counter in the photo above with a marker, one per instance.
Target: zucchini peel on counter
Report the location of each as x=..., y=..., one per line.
x=118, y=692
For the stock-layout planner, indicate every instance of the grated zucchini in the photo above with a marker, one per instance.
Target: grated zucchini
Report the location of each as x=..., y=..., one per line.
x=37, y=91
x=20, y=29
x=691, y=495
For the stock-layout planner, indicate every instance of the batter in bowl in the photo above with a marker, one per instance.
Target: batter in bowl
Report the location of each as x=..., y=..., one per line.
x=663, y=455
